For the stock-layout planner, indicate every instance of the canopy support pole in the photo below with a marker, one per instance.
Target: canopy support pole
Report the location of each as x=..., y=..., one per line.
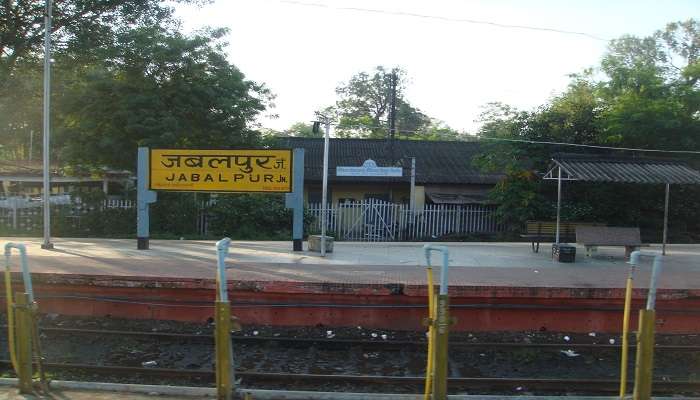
x=663, y=245
x=558, y=203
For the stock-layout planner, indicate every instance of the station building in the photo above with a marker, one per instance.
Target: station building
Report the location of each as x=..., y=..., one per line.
x=25, y=179
x=444, y=171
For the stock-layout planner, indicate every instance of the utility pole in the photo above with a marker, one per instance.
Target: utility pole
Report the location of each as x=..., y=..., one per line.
x=392, y=115
x=413, y=186
x=326, y=121
x=31, y=143
x=47, y=107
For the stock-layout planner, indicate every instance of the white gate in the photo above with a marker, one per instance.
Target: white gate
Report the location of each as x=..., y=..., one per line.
x=376, y=220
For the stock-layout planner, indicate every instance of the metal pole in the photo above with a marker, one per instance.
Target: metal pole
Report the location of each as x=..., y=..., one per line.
x=224, y=352
x=626, y=324
x=413, y=185
x=558, y=204
x=442, y=324
x=47, y=130
x=221, y=253
x=644, y=369
x=392, y=116
x=430, y=367
x=324, y=195
x=663, y=246
x=23, y=326
x=655, y=271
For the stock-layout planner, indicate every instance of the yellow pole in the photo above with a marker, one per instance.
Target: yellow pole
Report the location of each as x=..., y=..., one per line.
x=223, y=350
x=442, y=328
x=625, y=333
x=643, y=372
x=224, y=373
x=431, y=336
x=10, y=319
x=36, y=347
x=23, y=334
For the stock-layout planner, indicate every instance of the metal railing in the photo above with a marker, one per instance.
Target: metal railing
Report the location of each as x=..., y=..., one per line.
x=375, y=220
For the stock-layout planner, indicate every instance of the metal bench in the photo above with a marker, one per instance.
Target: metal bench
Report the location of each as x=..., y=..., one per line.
x=540, y=231
x=593, y=236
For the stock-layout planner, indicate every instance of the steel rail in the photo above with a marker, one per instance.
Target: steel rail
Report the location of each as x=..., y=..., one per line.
x=360, y=342
x=542, y=384
x=158, y=302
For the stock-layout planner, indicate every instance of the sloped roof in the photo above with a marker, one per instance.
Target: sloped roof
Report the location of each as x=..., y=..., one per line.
x=25, y=168
x=437, y=162
x=626, y=170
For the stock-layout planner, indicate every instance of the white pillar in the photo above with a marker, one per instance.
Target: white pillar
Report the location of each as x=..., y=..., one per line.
x=558, y=203
x=663, y=245
x=324, y=193
x=47, y=107
x=413, y=185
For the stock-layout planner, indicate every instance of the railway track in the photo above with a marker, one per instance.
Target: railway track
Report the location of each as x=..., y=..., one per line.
x=356, y=364
x=251, y=379
x=207, y=338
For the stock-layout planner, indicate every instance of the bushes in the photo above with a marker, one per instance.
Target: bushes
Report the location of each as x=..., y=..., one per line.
x=250, y=216
x=174, y=215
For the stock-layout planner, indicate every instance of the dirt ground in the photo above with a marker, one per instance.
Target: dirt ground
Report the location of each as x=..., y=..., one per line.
x=10, y=393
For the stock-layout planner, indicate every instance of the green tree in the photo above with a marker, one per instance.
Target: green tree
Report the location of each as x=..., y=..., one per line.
x=648, y=97
x=302, y=129
x=364, y=106
x=157, y=88
x=651, y=97
x=81, y=30
x=76, y=25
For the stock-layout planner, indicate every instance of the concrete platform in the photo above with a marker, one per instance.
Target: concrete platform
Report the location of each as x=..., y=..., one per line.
x=493, y=285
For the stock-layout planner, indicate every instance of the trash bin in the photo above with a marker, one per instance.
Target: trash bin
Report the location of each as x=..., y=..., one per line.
x=564, y=252
x=315, y=243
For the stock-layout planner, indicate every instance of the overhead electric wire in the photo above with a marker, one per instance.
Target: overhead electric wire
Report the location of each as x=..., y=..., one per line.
x=447, y=19
x=589, y=145
x=528, y=141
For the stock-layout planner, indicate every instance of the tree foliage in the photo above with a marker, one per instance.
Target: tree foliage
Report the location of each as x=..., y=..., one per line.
x=158, y=89
x=363, y=109
x=77, y=26
x=647, y=98
x=123, y=76
x=303, y=129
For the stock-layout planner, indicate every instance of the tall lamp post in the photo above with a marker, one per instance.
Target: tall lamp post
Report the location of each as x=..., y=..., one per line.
x=47, y=106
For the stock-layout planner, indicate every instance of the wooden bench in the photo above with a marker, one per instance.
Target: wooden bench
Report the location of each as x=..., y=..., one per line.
x=593, y=236
x=540, y=231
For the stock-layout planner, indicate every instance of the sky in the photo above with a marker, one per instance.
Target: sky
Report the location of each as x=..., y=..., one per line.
x=303, y=49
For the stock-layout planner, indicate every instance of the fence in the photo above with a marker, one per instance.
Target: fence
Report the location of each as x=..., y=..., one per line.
x=375, y=220
x=371, y=220
x=25, y=216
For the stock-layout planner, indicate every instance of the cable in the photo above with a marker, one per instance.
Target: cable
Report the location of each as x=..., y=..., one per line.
x=448, y=19
x=479, y=138
x=589, y=146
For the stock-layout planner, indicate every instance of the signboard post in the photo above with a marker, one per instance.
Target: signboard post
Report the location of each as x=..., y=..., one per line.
x=218, y=171
x=144, y=197
x=295, y=200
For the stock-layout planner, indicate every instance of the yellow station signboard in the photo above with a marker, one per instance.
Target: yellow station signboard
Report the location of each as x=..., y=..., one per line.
x=221, y=170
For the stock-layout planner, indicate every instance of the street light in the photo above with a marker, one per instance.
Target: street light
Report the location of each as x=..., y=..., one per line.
x=47, y=103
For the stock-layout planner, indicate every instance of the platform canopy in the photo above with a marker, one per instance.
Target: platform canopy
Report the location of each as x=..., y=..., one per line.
x=623, y=170
x=587, y=168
